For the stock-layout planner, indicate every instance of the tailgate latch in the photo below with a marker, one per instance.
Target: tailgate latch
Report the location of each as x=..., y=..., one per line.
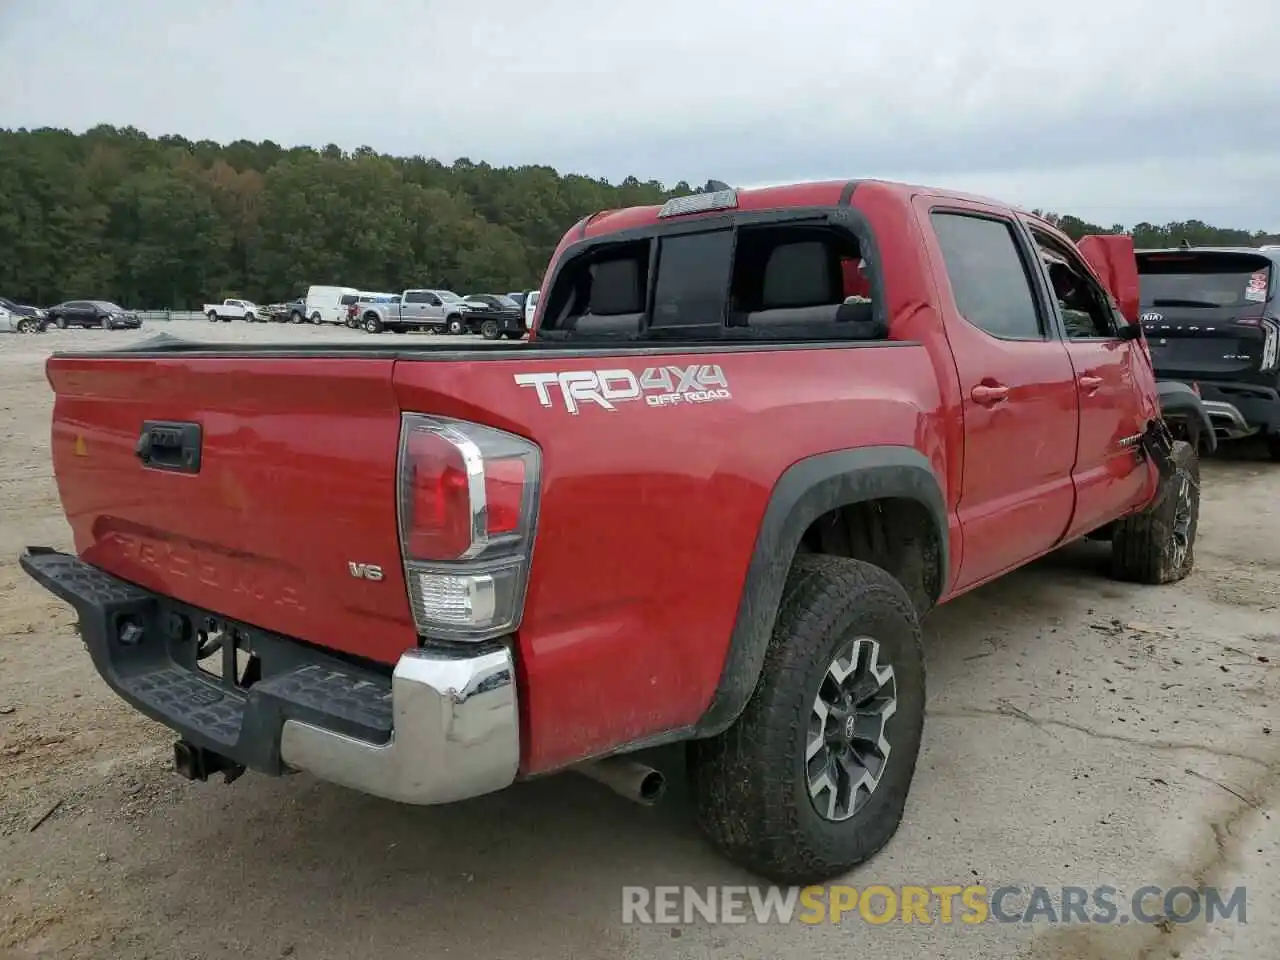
x=169, y=445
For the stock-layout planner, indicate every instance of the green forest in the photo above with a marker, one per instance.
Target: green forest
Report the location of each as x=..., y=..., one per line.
x=154, y=222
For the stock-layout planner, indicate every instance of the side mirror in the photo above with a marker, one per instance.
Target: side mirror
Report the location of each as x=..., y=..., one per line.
x=1131, y=331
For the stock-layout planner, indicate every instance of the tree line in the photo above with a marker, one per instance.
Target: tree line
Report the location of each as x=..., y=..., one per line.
x=165, y=221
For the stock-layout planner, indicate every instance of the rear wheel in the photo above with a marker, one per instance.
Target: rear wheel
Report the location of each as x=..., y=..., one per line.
x=105, y=323
x=455, y=326
x=1158, y=545
x=812, y=778
x=316, y=319
x=372, y=324
x=295, y=317
x=489, y=330
x=213, y=316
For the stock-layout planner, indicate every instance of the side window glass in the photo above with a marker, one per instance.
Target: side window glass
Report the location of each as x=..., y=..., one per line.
x=988, y=276
x=693, y=280
x=413, y=296
x=433, y=301
x=1086, y=309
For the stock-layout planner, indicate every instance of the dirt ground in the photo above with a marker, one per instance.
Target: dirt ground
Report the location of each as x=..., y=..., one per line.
x=1079, y=732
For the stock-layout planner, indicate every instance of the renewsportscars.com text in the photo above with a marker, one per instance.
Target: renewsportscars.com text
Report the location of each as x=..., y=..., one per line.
x=935, y=904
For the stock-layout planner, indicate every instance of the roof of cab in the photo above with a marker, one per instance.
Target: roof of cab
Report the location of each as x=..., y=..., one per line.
x=825, y=193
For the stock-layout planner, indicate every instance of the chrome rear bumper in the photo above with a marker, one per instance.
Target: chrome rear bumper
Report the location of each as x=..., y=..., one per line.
x=455, y=733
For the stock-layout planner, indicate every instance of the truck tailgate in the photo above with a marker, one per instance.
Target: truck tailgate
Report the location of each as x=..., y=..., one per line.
x=294, y=489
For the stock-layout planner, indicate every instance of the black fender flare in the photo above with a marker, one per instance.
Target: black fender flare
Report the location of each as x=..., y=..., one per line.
x=808, y=489
x=1179, y=402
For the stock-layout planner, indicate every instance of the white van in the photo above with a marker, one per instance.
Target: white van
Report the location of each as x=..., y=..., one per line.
x=324, y=304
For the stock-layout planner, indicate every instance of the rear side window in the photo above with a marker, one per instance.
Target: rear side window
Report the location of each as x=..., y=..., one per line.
x=988, y=275
x=1204, y=279
x=415, y=296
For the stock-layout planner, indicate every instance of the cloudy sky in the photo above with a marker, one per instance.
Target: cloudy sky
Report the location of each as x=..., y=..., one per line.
x=1114, y=110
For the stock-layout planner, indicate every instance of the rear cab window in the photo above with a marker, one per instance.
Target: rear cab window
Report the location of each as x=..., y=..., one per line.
x=1205, y=279
x=794, y=276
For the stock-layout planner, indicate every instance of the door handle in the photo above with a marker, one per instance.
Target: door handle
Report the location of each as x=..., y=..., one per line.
x=1090, y=383
x=989, y=394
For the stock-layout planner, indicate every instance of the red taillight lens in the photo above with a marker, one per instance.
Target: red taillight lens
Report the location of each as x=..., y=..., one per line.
x=438, y=521
x=504, y=486
x=468, y=498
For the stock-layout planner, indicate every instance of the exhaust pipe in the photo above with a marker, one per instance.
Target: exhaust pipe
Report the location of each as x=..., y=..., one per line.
x=628, y=778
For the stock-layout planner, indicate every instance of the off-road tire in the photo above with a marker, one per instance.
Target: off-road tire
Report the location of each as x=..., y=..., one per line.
x=749, y=784
x=1143, y=546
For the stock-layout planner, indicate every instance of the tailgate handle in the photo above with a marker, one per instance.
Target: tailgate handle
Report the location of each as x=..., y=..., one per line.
x=169, y=445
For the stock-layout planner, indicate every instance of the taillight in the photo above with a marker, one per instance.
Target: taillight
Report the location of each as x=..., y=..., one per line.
x=1270, y=327
x=468, y=505
x=1270, y=344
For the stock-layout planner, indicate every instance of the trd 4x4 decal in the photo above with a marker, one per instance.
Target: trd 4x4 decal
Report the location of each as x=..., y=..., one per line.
x=658, y=386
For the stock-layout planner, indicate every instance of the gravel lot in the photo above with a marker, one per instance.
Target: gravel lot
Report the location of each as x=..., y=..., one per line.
x=1080, y=732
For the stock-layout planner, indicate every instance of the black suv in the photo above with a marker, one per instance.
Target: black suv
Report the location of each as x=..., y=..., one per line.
x=1212, y=320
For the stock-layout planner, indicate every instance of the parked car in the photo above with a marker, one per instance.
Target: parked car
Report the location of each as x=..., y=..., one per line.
x=294, y=311
x=354, y=311
x=236, y=309
x=511, y=590
x=93, y=313
x=436, y=310
x=357, y=302
x=530, y=308
x=20, y=318
x=495, y=316
x=329, y=304
x=1212, y=320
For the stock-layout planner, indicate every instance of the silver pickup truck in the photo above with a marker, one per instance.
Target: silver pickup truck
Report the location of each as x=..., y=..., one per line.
x=439, y=310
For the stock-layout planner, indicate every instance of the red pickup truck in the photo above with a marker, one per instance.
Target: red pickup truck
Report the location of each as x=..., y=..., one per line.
x=755, y=437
